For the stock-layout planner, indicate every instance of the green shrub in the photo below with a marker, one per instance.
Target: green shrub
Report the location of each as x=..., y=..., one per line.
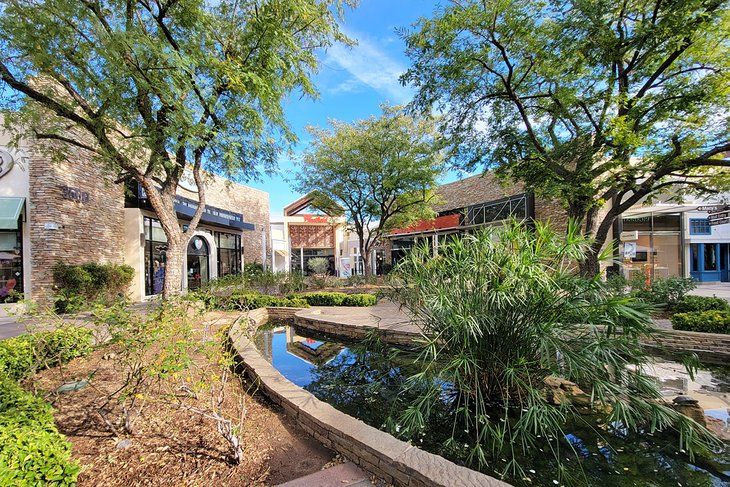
x=715, y=321
x=252, y=269
x=32, y=452
x=78, y=284
x=318, y=265
x=700, y=303
x=665, y=291
x=253, y=301
x=359, y=300
x=25, y=354
x=323, y=299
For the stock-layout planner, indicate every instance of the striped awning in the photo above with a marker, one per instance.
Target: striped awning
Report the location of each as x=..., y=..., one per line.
x=10, y=209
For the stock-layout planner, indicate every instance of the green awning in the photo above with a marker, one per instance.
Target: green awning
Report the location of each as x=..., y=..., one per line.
x=10, y=209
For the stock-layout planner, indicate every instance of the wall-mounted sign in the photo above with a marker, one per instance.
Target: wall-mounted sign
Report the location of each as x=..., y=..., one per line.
x=714, y=208
x=316, y=218
x=74, y=194
x=50, y=226
x=6, y=162
x=629, y=250
x=630, y=235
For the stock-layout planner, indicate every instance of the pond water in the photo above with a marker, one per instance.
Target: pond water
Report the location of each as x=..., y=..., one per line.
x=368, y=383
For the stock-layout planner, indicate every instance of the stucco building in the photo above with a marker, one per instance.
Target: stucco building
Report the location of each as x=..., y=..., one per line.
x=73, y=211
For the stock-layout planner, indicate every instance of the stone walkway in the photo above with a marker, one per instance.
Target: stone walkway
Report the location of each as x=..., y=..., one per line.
x=385, y=315
x=719, y=289
x=343, y=475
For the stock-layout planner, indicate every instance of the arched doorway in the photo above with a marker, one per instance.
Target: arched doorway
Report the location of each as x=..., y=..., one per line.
x=198, y=262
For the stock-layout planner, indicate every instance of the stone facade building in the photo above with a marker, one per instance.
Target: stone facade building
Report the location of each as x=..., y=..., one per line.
x=73, y=211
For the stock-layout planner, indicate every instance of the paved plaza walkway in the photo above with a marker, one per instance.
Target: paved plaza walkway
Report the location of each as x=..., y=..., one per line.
x=385, y=315
x=719, y=289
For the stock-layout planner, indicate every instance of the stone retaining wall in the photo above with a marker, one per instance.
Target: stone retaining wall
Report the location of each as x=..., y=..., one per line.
x=377, y=452
x=709, y=347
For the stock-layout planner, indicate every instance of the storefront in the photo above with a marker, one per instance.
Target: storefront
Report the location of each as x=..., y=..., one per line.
x=11, y=249
x=651, y=245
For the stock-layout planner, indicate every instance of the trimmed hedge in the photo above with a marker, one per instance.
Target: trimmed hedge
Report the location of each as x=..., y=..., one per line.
x=704, y=321
x=91, y=281
x=25, y=354
x=337, y=299
x=253, y=301
x=700, y=303
x=32, y=451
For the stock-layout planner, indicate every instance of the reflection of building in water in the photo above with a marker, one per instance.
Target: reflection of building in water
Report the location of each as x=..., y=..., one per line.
x=314, y=351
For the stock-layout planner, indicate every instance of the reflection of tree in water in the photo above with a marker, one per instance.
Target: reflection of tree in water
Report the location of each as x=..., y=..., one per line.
x=372, y=385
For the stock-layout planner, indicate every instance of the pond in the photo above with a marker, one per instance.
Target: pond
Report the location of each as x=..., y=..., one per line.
x=368, y=382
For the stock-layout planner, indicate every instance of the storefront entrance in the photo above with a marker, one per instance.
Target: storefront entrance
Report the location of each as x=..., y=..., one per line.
x=198, y=262
x=710, y=262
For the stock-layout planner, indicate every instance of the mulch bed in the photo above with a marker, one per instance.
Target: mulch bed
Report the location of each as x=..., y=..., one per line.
x=173, y=446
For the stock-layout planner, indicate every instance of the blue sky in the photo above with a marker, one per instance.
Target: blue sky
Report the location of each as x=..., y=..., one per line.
x=352, y=82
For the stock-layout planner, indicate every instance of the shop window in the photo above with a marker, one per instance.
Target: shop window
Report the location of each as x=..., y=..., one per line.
x=198, y=254
x=229, y=253
x=155, y=256
x=11, y=266
x=695, y=255
x=699, y=226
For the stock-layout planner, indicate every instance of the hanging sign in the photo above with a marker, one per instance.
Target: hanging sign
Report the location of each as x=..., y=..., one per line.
x=714, y=208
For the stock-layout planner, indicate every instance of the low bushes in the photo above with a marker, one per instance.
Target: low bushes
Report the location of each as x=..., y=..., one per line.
x=25, y=354
x=337, y=299
x=253, y=301
x=714, y=321
x=32, y=451
x=662, y=291
x=78, y=284
x=700, y=303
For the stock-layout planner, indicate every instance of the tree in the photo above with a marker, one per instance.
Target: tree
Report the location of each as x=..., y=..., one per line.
x=600, y=104
x=378, y=171
x=152, y=87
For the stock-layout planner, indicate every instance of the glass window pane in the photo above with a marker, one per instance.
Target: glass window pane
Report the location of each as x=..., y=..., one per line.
x=158, y=234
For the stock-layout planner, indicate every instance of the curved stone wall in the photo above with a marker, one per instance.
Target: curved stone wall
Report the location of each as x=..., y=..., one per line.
x=377, y=452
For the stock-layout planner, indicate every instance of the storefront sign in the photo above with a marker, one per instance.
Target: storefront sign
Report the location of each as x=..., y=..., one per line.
x=316, y=218
x=186, y=207
x=74, y=194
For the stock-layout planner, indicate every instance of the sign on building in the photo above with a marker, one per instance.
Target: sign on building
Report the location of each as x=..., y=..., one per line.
x=345, y=267
x=629, y=250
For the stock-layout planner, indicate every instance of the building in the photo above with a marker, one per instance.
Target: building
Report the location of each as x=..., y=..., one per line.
x=471, y=203
x=656, y=240
x=304, y=234
x=73, y=211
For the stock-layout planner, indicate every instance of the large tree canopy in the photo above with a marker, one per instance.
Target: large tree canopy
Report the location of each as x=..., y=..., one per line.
x=150, y=87
x=589, y=101
x=380, y=171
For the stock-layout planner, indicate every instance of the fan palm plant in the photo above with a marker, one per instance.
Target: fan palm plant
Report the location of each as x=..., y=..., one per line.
x=504, y=314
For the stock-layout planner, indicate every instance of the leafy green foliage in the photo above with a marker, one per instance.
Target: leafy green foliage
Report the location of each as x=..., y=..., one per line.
x=378, y=172
x=246, y=301
x=32, y=452
x=319, y=265
x=25, y=354
x=323, y=298
x=665, y=291
x=503, y=314
x=700, y=303
x=714, y=321
x=80, y=284
x=583, y=101
x=149, y=89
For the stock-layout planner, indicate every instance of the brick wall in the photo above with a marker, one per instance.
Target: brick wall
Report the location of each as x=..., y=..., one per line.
x=88, y=231
x=312, y=236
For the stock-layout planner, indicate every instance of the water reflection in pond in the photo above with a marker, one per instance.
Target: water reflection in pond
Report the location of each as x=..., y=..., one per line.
x=369, y=383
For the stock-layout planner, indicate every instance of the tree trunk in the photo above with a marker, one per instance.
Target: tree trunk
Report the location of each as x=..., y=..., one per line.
x=365, y=260
x=590, y=266
x=174, y=267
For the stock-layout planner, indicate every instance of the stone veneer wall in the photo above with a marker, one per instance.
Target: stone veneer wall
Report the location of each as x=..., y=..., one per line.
x=252, y=203
x=392, y=460
x=87, y=232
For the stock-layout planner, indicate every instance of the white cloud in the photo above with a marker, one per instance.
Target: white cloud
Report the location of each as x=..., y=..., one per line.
x=371, y=66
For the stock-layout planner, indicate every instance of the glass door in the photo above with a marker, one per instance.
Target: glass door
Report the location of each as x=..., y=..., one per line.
x=198, y=254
